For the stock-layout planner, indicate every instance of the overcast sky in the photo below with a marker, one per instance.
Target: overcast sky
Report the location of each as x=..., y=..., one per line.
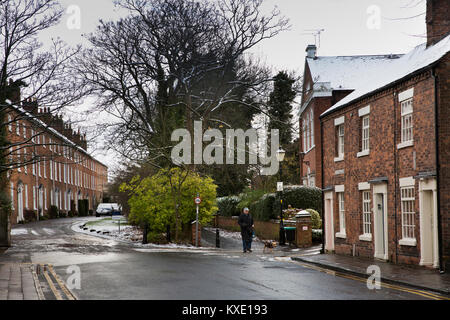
x=351, y=27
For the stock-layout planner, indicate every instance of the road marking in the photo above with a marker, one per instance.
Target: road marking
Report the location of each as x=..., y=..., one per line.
x=61, y=284
x=51, y=284
x=422, y=293
x=36, y=283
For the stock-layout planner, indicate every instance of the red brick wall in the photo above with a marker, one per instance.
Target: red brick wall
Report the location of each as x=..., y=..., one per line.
x=443, y=74
x=43, y=151
x=384, y=160
x=438, y=21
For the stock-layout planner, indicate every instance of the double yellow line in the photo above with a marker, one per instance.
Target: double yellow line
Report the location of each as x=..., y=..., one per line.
x=422, y=293
x=47, y=271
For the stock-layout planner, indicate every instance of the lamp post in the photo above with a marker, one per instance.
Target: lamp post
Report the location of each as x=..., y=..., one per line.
x=280, y=158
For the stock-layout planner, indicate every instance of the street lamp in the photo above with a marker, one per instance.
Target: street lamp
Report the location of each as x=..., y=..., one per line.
x=280, y=158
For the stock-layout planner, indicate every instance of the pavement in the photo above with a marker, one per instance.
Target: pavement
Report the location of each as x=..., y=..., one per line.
x=18, y=282
x=406, y=275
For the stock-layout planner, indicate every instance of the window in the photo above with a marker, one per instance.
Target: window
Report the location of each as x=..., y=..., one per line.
x=45, y=171
x=18, y=128
x=24, y=131
x=33, y=166
x=12, y=195
x=43, y=142
x=365, y=133
x=26, y=196
x=9, y=123
x=341, y=212
x=19, y=169
x=39, y=169
x=305, y=148
x=34, y=198
x=51, y=169
x=366, y=213
x=25, y=168
x=340, y=142
x=407, y=121
x=408, y=213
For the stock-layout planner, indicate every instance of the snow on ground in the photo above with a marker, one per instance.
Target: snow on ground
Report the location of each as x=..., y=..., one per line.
x=229, y=234
x=15, y=232
x=129, y=234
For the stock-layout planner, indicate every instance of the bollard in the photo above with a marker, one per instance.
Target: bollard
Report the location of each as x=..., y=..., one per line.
x=217, y=238
x=168, y=233
x=144, y=235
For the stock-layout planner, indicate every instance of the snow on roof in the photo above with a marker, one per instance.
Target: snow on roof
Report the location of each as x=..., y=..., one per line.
x=345, y=72
x=375, y=79
x=53, y=131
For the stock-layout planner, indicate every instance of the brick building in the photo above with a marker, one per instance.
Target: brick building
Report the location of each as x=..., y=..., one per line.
x=49, y=162
x=327, y=80
x=386, y=157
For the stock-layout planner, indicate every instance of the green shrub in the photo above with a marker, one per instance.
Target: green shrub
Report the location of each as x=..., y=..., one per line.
x=83, y=207
x=62, y=214
x=317, y=235
x=300, y=197
x=263, y=208
x=316, y=221
x=156, y=237
x=29, y=215
x=249, y=197
x=228, y=206
x=53, y=212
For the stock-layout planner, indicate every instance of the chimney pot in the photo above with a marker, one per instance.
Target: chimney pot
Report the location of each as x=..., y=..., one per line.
x=311, y=51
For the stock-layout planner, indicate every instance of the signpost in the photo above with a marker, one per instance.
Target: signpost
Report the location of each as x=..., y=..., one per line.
x=197, y=201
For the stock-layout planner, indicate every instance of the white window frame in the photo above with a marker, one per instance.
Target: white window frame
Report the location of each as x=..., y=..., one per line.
x=341, y=210
x=9, y=123
x=12, y=195
x=408, y=213
x=364, y=114
x=26, y=196
x=18, y=128
x=367, y=214
x=312, y=128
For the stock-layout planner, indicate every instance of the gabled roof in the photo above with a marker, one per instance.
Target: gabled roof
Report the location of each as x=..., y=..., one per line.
x=346, y=72
x=378, y=79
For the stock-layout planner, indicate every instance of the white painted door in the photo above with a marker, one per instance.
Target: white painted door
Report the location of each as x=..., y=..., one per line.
x=329, y=223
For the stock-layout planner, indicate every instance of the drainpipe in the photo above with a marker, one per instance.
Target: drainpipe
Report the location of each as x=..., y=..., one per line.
x=436, y=126
x=322, y=187
x=396, y=176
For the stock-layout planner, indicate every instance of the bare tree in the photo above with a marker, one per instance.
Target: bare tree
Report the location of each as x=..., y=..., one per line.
x=173, y=62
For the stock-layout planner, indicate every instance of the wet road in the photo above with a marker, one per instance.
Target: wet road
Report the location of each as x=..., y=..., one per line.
x=117, y=270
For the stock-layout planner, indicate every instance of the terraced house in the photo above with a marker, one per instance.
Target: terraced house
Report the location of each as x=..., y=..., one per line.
x=49, y=162
x=386, y=157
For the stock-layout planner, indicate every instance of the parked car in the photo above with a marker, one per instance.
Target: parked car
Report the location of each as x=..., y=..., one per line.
x=108, y=209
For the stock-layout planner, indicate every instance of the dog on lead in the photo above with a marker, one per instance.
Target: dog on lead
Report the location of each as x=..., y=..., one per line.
x=269, y=245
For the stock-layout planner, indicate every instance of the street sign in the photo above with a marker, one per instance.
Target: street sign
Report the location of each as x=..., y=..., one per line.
x=279, y=186
x=198, y=200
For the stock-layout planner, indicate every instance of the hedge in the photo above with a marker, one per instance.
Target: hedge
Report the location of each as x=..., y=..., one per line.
x=228, y=206
x=267, y=206
x=302, y=197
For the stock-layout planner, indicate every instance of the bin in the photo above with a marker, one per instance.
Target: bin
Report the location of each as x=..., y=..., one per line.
x=290, y=234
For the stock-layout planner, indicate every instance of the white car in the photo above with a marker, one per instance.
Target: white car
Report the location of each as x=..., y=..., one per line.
x=108, y=209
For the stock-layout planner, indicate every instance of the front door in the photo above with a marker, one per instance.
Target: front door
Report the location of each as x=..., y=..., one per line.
x=380, y=236
x=20, y=204
x=329, y=222
x=429, y=245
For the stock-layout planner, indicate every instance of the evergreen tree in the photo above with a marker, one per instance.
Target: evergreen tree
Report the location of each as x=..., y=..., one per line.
x=280, y=107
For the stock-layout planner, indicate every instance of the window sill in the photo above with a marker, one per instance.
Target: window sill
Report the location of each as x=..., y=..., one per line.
x=365, y=237
x=405, y=144
x=338, y=159
x=363, y=153
x=408, y=242
x=341, y=235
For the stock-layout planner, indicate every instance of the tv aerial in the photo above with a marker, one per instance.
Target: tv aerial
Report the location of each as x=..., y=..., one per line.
x=316, y=33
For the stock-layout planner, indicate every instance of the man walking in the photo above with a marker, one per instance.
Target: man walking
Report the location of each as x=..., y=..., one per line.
x=246, y=223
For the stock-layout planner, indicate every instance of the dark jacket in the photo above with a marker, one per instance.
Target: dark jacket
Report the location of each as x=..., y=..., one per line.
x=246, y=223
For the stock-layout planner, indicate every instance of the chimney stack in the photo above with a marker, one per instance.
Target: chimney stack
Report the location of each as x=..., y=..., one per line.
x=311, y=51
x=438, y=21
